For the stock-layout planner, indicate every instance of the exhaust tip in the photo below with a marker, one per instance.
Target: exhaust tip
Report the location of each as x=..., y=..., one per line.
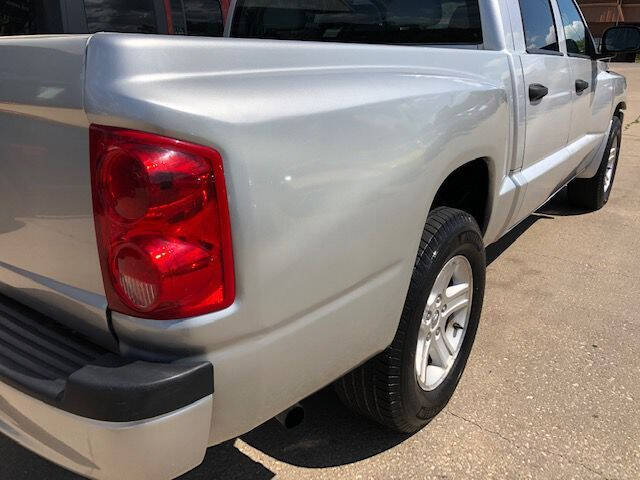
x=291, y=417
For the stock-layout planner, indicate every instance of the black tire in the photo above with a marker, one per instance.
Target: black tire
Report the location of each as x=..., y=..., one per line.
x=590, y=193
x=386, y=388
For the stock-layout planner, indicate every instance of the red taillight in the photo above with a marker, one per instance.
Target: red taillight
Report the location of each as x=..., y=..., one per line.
x=162, y=224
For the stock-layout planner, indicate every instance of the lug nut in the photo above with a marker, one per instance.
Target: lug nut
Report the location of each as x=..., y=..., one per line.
x=429, y=336
x=444, y=308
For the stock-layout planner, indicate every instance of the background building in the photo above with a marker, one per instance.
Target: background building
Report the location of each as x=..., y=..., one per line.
x=602, y=14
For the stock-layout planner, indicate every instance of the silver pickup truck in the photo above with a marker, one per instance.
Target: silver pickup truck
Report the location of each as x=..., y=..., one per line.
x=304, y=200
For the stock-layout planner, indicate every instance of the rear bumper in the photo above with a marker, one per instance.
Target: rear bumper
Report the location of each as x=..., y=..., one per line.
x=158, y=448
x=94, y=412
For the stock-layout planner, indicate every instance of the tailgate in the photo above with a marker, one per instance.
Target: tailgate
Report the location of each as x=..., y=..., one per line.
x=48, y=253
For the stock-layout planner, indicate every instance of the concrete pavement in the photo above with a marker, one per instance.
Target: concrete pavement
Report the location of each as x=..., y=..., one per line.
x=552, y=388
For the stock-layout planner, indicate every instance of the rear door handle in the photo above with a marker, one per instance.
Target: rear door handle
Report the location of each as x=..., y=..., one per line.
x=581, y=86
x=537, y=92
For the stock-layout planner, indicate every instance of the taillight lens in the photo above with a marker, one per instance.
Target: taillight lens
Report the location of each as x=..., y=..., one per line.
x=162, y=224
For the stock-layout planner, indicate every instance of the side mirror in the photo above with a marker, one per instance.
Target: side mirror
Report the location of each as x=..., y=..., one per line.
x=621, y=39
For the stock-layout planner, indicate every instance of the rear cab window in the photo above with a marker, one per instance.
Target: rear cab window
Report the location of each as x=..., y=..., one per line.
x=400, y=22
x=180, y=17
x=127, y=16
x=196, y=17
x=33, y=17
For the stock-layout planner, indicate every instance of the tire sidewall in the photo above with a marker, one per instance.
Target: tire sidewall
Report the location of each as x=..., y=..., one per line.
x=420, y=405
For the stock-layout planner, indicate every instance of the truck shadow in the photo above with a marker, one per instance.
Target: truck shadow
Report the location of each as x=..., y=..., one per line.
x=226, y=462
x=498, y=248
x=559, y=206
x=331, y=435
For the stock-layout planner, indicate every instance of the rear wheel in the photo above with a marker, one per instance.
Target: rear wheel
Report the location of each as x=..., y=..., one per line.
x=593, y=193
x=405, y=386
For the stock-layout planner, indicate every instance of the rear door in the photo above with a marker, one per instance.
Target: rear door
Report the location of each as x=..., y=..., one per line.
x=546, y=73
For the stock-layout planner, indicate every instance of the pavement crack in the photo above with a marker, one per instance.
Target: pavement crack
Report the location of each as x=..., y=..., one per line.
x=519, y=447
x=484, y=429
x=636, y=121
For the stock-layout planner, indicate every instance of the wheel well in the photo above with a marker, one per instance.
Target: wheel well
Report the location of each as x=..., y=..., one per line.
x=619, y=111
x=467, y=189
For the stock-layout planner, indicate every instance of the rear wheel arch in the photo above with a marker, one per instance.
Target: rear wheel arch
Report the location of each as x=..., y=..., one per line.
x=467, y=188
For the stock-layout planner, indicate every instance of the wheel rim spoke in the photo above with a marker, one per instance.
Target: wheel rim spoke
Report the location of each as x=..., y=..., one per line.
x=439, y=352
x=442, y=280
x=457, y=298
x=422, y=352
x=611, y=165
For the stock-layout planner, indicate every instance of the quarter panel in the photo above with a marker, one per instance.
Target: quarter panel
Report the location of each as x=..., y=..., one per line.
x=332, y=156
x=332, y=152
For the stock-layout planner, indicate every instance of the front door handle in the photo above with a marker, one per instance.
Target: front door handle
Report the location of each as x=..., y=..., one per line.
x=537, y=92
x=581, y=86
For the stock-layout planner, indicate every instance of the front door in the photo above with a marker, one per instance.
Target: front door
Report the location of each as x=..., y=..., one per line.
x=591, y=106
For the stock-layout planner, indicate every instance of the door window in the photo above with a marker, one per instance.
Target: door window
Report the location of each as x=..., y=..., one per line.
x=575, y=31
x=405, y=22
x=128, y=16
x=539, y=27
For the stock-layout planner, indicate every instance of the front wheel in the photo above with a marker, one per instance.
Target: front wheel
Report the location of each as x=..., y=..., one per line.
x=593, y=193
x=405, y=386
